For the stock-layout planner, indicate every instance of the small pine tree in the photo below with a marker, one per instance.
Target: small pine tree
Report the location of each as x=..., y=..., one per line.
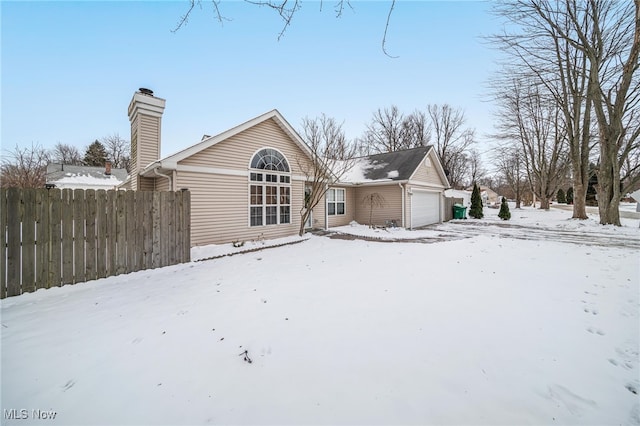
x=560, y=197
x=569, y=197
x=504, y=213
x=476, y=203
x=96, y=154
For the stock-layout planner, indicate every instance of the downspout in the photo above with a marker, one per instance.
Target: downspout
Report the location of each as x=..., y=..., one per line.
x=326, y=210
x=402, y=188
x=157, y=173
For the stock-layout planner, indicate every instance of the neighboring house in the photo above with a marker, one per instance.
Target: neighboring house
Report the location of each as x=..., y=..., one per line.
x=84, y=177
x=248, y=183
x=490, y=198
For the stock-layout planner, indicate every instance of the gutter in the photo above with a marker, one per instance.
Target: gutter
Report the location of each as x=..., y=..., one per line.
x=157, y=173
x=403, y=189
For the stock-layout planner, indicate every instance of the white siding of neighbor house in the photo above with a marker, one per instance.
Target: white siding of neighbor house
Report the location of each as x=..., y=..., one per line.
x=220, y=202
x=392, y=209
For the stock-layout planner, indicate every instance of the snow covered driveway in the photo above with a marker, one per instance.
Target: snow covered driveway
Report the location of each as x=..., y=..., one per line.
x=489, y=329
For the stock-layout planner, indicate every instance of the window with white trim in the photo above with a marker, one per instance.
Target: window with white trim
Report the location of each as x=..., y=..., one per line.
x=269, y=189
x=335, y=201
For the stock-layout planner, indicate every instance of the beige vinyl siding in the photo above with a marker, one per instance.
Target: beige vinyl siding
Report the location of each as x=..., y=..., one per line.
x=161, y=184
x=236, y=151
x=134, y=155
x=220, y=209
x=148, y=139
x=319, y=214
x=349, y=210
x=428, y=174
x=392, y=209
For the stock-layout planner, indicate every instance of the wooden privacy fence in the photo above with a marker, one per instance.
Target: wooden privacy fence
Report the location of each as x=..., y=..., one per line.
x=53, y=237
x=448, y=207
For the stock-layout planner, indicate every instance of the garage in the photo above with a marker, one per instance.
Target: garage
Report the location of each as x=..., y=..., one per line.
x=425, y=208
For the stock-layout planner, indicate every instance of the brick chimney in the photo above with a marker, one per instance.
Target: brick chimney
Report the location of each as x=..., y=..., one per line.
x=107, y=168
x=145, y=115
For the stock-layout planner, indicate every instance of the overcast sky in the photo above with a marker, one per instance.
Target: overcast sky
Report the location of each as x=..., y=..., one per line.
x=69, y=69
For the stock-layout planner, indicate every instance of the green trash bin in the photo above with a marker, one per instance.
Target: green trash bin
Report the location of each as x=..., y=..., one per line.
x=459, y=211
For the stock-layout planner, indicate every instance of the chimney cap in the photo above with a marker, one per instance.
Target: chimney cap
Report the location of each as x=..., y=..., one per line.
x=146, y=91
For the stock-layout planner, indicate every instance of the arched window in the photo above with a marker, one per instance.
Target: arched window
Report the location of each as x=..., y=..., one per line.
x=269, y=189
x=269, y=159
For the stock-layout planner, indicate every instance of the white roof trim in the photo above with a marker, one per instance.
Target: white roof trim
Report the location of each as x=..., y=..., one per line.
x=171, y=162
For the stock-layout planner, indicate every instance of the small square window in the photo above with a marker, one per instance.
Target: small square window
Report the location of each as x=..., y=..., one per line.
x=256, y=177
x=284, y=179
x=272, y=178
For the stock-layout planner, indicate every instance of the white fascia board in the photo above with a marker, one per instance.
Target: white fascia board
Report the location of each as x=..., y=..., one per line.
x=379, y=182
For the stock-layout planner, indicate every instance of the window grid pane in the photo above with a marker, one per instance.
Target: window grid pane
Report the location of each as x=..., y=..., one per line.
x=272, y=216
x=271, y=195
x=256, y=216
x=285, y=214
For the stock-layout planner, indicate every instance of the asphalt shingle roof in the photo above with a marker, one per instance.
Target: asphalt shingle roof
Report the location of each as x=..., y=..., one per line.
x=403, y=162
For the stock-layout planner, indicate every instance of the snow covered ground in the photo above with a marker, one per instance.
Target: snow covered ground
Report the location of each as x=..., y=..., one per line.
x=531, y=321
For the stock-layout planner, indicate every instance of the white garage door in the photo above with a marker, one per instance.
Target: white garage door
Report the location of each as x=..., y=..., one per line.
x=425, y=208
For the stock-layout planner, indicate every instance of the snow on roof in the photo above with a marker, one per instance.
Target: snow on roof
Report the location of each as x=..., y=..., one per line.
x=84, y=177
x=87, y=180
x=360, y=169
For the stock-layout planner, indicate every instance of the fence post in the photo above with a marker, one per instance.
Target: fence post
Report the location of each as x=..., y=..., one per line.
x=67, y=236
x=100, y=221
x=121, y=234
x=14, y=214
x=3, y=243
x=79, y=249
x=28, y=240
x=55, y=247
x=130, y=219
x=42, y=238
x=93, y=254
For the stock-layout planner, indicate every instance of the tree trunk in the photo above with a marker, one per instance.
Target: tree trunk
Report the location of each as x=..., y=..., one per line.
x=544, y=203
x=579, y=199
x=609, y=182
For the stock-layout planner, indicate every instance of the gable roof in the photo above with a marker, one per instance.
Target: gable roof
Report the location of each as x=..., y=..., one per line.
x=171, y=162
x=64, y=175
x=390, y=166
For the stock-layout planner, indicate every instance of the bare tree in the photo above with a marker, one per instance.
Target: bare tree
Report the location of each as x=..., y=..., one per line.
x=24, y=167
x=390, y=130
x=508, y=160
x=118, y=151
x=476, y=171
x=373, y=200
x=585, y=54
x=451, y=139
x=331, y=158
x=286, y=10
x=416, y=130
x=385, y=132
x=535, y=125
x=66, y=154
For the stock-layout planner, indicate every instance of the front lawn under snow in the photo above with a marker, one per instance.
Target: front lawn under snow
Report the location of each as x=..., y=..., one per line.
x=487, y=329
